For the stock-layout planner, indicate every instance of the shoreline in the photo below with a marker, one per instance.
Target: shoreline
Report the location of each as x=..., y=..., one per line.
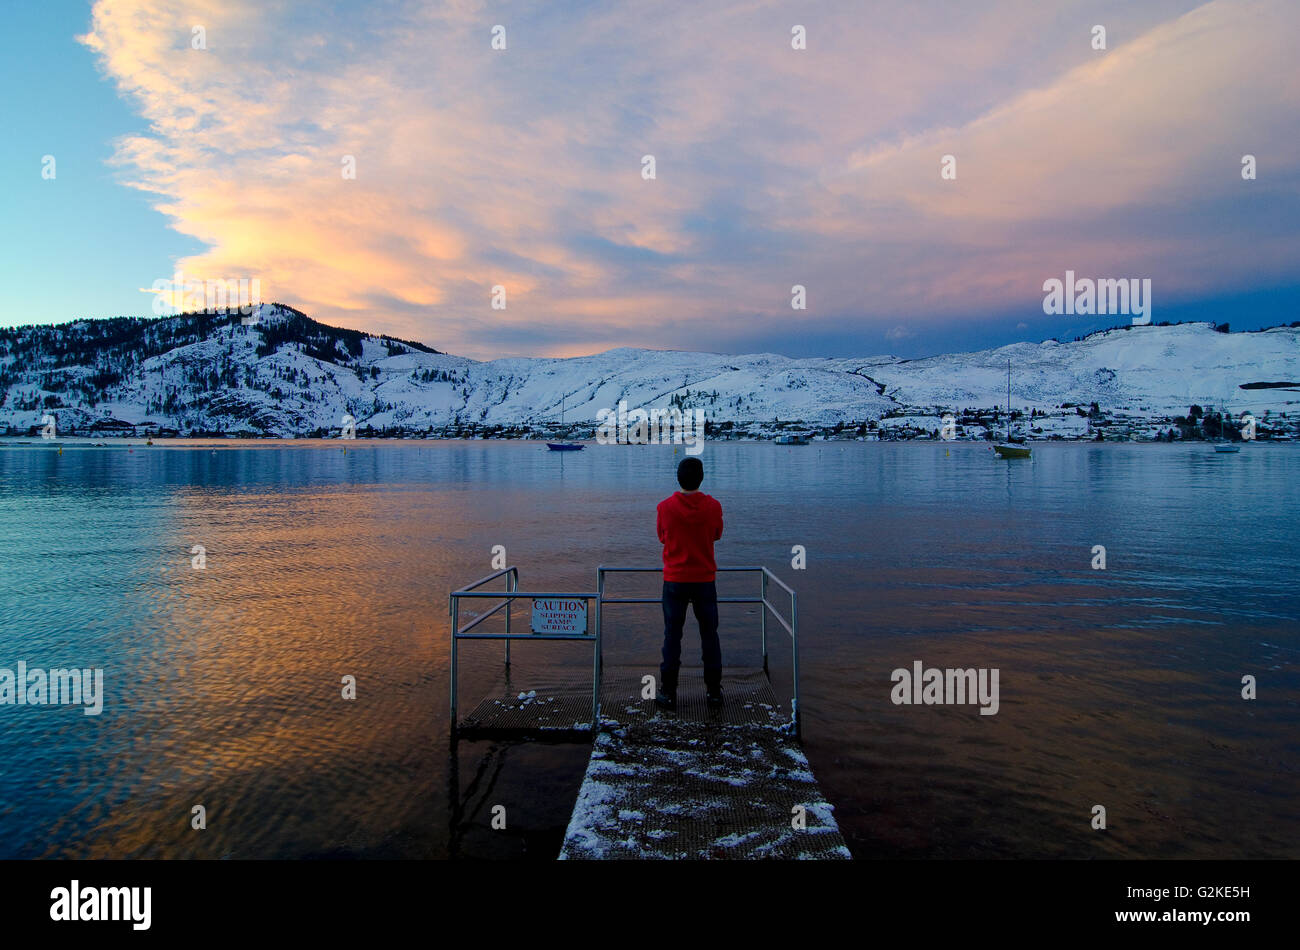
x=79, y=441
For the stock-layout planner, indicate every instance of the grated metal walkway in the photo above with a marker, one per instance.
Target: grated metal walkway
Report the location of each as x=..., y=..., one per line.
x=545, y=706
x=699, y=783
x=564, y=705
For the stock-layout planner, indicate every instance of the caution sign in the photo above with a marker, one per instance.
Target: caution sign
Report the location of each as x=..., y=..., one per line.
x=560, y=615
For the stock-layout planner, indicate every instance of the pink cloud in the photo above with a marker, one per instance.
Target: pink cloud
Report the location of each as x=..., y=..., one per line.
x=522, y=168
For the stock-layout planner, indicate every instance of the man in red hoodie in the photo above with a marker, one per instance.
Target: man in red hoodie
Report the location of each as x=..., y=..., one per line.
x=689, y=522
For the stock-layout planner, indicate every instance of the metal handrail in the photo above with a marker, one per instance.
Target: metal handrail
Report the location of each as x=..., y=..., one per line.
x=511, y=584
x=482, y=617
x=659, y=600
x=491, y=577
x=509, y=596
x=791, y=627
x=512, y=593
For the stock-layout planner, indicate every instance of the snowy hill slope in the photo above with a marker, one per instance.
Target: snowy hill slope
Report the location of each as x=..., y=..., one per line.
x=285, y=374
x=1159, y=369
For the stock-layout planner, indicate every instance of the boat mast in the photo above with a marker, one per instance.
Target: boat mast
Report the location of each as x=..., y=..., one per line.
x=1008, y=399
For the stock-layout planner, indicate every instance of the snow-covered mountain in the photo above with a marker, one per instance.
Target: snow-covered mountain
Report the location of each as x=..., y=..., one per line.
x=280, y=373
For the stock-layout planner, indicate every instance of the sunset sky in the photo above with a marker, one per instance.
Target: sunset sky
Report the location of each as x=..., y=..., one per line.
x=522, y=167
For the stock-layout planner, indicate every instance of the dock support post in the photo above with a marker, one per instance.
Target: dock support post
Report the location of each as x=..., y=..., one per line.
x=794, y=626
x=600, y=600
x=512, y=585
x=596, y=663
x=455, y=629
x=762, y=610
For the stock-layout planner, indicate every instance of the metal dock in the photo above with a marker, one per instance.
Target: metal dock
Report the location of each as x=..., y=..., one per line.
x=696, y=783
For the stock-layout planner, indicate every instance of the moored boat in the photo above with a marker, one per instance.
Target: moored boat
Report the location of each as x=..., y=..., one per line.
x=1011, y=449
x=564, y=446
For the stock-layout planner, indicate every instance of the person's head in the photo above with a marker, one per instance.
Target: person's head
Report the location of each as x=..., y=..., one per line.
x=690, y=472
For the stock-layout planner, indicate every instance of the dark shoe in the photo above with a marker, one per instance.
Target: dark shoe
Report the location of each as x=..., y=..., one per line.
x=666, y=701
x=714, y=698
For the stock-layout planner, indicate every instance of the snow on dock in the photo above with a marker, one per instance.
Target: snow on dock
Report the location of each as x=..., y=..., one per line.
x=700, y=783
x=697, y=782
x=547, y=706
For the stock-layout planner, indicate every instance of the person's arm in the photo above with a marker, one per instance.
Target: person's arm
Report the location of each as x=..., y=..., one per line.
x=659, y=525
x=718, y=536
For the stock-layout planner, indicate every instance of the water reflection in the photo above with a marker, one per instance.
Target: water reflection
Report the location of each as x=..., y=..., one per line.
x=224, y=684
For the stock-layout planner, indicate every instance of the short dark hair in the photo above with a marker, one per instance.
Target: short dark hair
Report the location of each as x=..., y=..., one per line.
x=690, y=472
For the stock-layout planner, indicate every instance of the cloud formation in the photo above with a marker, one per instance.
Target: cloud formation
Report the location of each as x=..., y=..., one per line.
x=521, y=167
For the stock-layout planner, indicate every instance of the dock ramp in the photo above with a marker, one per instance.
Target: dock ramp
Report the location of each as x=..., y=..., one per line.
x=695, y=783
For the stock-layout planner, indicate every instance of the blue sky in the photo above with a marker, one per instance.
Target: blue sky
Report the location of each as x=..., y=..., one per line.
x=80, y=244
x=522, y=167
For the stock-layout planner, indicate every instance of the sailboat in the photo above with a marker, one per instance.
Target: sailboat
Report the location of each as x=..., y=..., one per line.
x=564, y=446
x=1222, y=444
x=1009, y=449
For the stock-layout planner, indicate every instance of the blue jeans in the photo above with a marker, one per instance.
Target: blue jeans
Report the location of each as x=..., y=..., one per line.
x=704, y=598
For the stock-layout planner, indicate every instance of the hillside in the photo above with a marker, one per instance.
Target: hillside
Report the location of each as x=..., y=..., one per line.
x=280, y=373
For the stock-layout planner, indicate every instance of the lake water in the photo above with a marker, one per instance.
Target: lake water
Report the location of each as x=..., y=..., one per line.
x=1118, y=687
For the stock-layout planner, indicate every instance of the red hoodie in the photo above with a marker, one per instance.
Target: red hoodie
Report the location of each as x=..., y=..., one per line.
x=688, y=525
